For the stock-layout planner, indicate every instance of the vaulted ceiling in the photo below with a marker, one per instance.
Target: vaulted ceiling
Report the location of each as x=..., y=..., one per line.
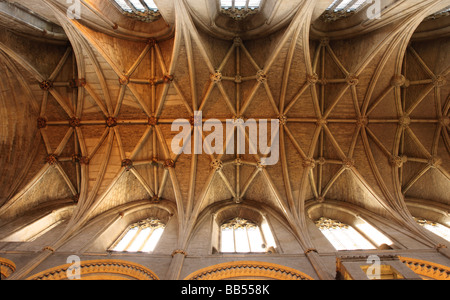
x=87, y=106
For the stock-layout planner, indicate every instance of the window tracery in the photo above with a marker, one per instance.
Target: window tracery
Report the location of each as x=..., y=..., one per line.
x=436, y=228
x=142, y=10
x=39, y=227
x=342, y=236
x=340, y=9
x=242, y=236
x=240, y=9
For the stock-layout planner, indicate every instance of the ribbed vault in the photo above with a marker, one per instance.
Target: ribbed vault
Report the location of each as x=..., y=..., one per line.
x=364, y=118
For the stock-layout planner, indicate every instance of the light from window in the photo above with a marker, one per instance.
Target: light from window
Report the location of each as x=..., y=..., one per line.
x=151, y=4
x=376, y=236
x=443, y=13
x=141, y=237
x=239, y=9
x=226, y=3
x=340, y=9
x=242, y=236
x=142, y=10
x=346, y=5
x=254, y=3
x=123, y=5
x=342, y=236
x=240, y=4
x=436, y=228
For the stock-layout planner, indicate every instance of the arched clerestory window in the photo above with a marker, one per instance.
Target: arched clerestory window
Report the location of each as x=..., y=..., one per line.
x=240, y=9
x=435, y=227
x=37, y=227
x=345, y=237
x=142, y=10
x=142, y=236
x=240, y=235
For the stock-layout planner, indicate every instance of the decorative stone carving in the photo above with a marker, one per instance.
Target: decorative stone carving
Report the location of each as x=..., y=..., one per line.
x=434, y=161
x=427, y=269
x=127, y=164
x=124, y=80
x=260, y=166
x=261, y=76
x=352, y=79
x=168, y=78
x=309, y=163
x=362, y=121
x=397, y=161
x=217, y=165
x=48, y=248
x=76, y=158
x=152, y=121
x=103, y=269
x=283, y=119
x=309, y=250
x=7, y=267
x=77, y=83
x=216, y=77
x=312, y=78
x=320, y=199
x=324, y=41
x=439, y=81
x=169, y=163
x=404, y=121
x=348, y=163
x=41, y=123
x=239, y=13
x=179, y=251
x=325, y=223
x=155, y=199
x=75, y=122
x=146, y=16
x=46, y=85
x=242, y=269
x=152, y=42
x=237, y=41
x=334, y=15
x=321, y=122
x=84, y=160
x=52, y=159
x=111, y=122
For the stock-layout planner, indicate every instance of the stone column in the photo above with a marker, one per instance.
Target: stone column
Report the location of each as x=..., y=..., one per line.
x=176, y=265
x=318, y=265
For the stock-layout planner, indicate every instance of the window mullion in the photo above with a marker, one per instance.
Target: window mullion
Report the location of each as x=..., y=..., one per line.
x=248, y=239
x=144, y=4
x=263, y=237
x=133, y=239
x=350, y=4
x=234, y=233
x=131, y=6
x=146, y=239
